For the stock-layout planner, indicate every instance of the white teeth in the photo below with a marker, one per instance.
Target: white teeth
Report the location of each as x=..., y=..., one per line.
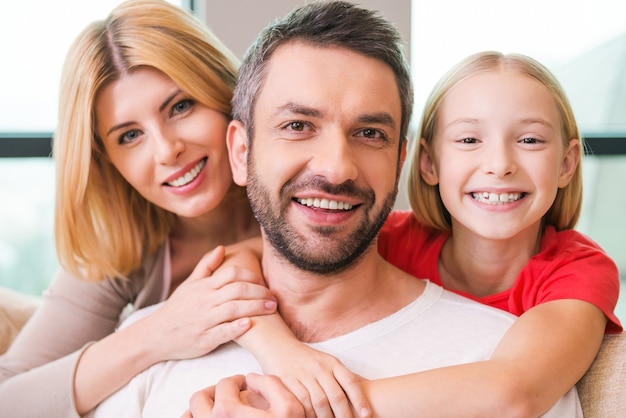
x=189, y=176
x=495, y=198
x=324, y=203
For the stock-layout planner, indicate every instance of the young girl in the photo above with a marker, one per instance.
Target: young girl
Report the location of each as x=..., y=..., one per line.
x=496, y=189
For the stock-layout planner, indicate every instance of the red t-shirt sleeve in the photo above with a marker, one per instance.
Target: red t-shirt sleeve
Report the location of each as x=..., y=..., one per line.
x=568, y=266
x=410, y=246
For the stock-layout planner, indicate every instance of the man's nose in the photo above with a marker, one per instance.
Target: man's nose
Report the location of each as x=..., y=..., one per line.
x=335, y=159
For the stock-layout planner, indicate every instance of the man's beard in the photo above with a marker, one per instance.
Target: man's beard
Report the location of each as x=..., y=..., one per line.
x=317, y=252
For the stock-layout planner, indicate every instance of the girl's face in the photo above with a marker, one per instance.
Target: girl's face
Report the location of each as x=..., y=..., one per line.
x=498, y=154
x=168, y=146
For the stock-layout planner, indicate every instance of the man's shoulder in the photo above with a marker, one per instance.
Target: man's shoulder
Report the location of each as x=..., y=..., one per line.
x=466, y=307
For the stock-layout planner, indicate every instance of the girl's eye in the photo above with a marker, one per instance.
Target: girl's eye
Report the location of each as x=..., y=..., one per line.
x=129, y=137
x=468, y=141
x=529, y=141
x=182, y=106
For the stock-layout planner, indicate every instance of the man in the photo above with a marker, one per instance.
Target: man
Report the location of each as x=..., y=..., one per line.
x=321, y=113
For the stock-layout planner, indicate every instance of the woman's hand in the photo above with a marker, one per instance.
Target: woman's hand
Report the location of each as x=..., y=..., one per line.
x=211, y=307
x=252, y=396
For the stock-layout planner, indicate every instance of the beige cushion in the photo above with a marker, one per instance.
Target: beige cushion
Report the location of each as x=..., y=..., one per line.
x=15, y=309
x=602, y=389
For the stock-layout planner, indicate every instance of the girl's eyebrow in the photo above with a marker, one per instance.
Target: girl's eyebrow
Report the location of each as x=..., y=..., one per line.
x=462, y=120
x=540, y=121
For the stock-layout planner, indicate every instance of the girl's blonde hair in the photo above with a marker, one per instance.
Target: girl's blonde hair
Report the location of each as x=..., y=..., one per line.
x=103, y=226
x=425, y=199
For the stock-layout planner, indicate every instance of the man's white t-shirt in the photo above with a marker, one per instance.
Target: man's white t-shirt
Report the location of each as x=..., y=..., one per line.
x=438, y=329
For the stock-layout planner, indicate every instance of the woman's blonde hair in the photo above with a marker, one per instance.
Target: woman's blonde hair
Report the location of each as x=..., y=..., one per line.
x=103, y=226
x=425, y=199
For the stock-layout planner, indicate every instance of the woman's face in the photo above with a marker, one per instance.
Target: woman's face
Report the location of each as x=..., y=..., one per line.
x=168, y=146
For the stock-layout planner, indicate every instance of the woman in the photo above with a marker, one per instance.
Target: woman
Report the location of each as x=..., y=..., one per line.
x=144, y=190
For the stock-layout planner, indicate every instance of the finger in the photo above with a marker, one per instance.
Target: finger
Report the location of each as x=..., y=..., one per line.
x=319, y=399
x=201, y=403
x=281, y=401
x=208, y=263
x=302, y=394
x=337, y=397
x=223, y=333
x=228, y=395
x=237, y=292
x=351, y=385
x=233, y=274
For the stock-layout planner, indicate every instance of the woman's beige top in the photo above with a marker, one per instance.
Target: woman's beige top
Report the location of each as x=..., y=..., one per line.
x=36, y=373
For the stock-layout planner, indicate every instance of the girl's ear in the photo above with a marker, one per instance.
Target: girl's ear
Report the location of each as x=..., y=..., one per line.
x=427, y=164
x=237, y=143
x=571, y=159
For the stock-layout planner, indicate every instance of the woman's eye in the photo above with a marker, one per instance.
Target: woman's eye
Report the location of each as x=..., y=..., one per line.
x=182, y=106
x=129, y=137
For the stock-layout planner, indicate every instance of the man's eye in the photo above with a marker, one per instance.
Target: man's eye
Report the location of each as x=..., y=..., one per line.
x=372, y=134
x=296, y=126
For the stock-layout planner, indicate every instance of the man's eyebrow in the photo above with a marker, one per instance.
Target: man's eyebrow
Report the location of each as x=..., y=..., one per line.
x=380, y=118
x=299, y=109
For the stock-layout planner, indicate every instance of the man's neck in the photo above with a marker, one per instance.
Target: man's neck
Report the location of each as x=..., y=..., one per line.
x=318, y=307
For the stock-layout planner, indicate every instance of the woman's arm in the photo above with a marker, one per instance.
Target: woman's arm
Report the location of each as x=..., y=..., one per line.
x=201, y=314
x=544, y=353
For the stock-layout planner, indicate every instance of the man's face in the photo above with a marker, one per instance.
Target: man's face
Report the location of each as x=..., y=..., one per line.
x=322, y=170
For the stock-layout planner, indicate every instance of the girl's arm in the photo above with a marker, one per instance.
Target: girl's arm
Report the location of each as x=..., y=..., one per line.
x=552, y=342
x=544, y=353
x=541, y=357
x=201, y=314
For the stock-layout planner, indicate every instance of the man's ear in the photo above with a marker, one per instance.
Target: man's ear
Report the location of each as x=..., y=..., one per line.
x=237, y=143
x=428, y=170
x=571, y=159
x=402, y=154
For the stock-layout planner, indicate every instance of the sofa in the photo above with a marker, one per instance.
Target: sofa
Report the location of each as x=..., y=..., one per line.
x=602, y=389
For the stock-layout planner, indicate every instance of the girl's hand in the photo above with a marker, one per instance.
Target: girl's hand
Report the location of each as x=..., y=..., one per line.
x=322, y=384
x=211, y=307
x=252, y=396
